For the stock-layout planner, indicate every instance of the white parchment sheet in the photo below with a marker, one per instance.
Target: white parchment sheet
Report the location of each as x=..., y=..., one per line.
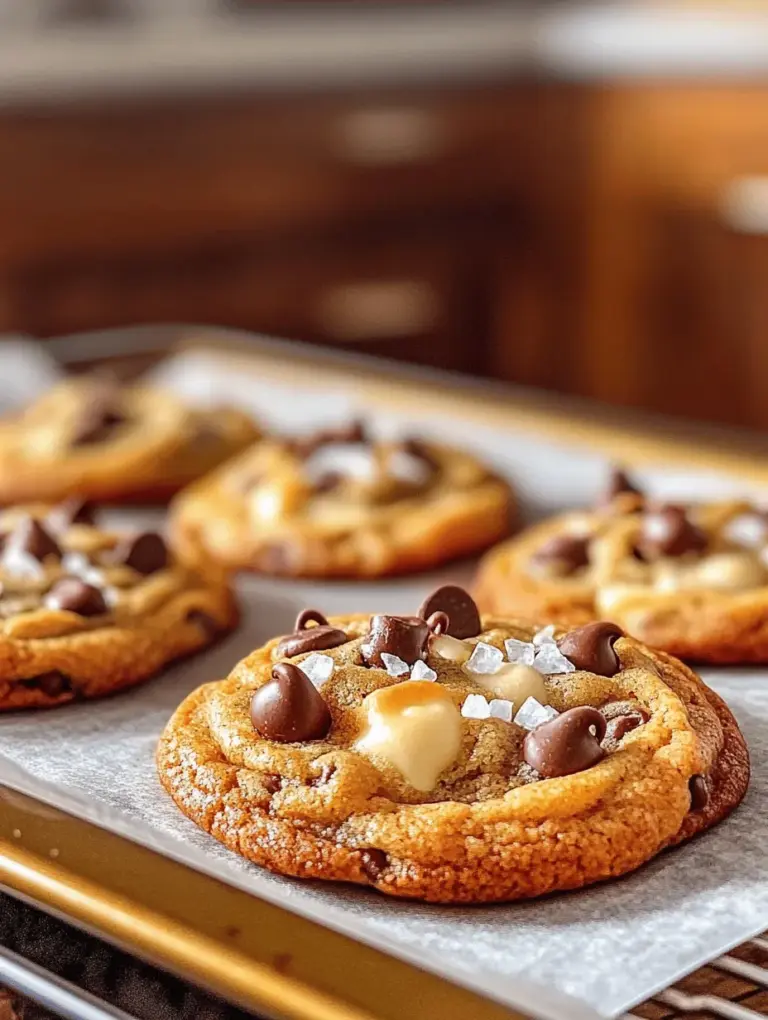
x=597, y=951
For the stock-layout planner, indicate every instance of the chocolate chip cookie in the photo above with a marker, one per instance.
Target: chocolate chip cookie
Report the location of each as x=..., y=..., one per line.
x=92, y=437
x=690, y=579
x=340, y=504
x=85, y=611
x=447, y=758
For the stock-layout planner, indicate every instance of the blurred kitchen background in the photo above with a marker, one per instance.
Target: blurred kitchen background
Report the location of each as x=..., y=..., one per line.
x=566, y=195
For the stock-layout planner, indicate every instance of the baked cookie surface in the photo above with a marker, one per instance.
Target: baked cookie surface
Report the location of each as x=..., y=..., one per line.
x=85, y=611
x=91, y=437
x=507, y=764
x=692, y=580
x=338, y=504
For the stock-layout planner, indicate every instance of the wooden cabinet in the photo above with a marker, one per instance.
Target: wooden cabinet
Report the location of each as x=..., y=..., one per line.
x=675, y=298
x=371, y=219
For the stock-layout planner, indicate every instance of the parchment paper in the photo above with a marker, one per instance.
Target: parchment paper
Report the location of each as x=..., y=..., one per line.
x=597, y=951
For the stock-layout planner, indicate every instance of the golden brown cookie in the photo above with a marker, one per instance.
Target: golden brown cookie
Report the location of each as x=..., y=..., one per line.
x=339, y=504
x=93, y=438
x=85, y=612
x=692, y=580
x=486, y=768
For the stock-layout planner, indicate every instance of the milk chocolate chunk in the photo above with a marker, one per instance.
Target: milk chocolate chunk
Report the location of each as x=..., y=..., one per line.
x=667, y=531
x=403, y=636
x=591, y=647
x=374, y=861
x=619, y=483
x=76, y=596
x=563, y=554
x=699, y=789
x=569, y=743
x=416, y=448
x=53, y=684
x=99, y=415
x=310, y=639
x=146, y=553
x=74, y=510
x=458, y=605
x=354, y=432
x=288, y=708
x=619, y=727
x=29, y=536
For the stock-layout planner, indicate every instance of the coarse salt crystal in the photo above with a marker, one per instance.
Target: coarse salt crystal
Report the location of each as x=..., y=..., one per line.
x=502, y=709
x=549, y=659
x=407, y=468
x=545, y=636
x=532, y=714
x=394, y=665
x=349, y=459
x=520, y=652
x=485, y=659
x=421, y=671
x=19, y=563
x=750, y=530
x=75, y=563
x=319, y=668
x=475, y=707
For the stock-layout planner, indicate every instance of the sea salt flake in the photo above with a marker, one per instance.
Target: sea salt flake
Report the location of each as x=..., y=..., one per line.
x=485, y=659
x=521, y=652
x=532, y=714
x=394, y=665
x=319, y=668
x=475, y=707
x=407, y=468
x=111, y=596
x=352, y=460
x=545, y=636
x=20, y=564
x=421, y=671
x=76, y=563
x=502, y=709
x=549, y=659
x=749, y=530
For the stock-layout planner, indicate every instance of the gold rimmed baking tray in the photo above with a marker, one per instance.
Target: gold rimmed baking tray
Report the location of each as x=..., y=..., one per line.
x=252, y=952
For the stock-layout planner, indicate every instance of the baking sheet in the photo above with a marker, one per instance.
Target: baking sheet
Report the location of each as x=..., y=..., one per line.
x=597, y=951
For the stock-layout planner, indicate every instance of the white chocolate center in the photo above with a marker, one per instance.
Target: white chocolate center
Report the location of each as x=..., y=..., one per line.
x=515, y=682
x=416, y=727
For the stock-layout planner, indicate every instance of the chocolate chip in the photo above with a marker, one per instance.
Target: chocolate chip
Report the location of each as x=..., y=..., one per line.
x=328, y=481
x=566, y=744
x=460, y=608
x=438, y=623
x=30, y=536
x=619, y=483
x=373, y=862
x=591, y=647
x=76, y=596
x=667, y=531
x=619, y=726
x=354, y=432
x=74, y=510
x=404, y=636
x=272, y=783
x=53, y=684
x=289, y=708
x=146, y=553
x=563, y=554
x=206, y=623
x=310, y=639
x=416, y=448
x=98, y=418
x=699, y=790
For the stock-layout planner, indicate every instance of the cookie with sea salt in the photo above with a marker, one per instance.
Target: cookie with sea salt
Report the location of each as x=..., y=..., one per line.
x=690, y=579
x=92, y=437
x=506, y=763
x=340, y=504
x=86, y=611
